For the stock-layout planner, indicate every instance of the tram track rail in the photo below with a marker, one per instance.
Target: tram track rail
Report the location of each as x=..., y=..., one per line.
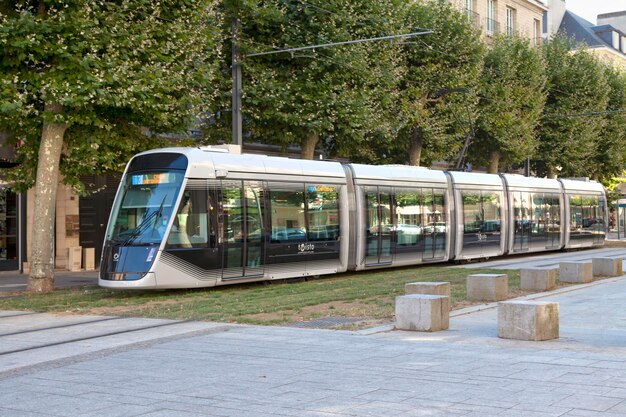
x=81, y=339
x=60, y=326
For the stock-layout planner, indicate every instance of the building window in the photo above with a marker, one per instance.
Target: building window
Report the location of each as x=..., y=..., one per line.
x=536, y=32
x=510, y=21
x=490, y=20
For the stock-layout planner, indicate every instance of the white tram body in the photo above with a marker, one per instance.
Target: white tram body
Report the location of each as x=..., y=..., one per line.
x=198, y=217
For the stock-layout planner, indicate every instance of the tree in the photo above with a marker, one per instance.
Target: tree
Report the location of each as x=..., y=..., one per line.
x=576, y=86
x=80, y=81
x=512, y=97
x=431, y=115
x=331, y=96
x=610, y=158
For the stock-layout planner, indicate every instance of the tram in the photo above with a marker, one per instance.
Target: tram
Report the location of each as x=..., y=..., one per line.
x=201, y=217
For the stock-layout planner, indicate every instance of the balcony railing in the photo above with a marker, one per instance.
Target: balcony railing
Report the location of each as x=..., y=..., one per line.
x=472, y=17
x=492, y=26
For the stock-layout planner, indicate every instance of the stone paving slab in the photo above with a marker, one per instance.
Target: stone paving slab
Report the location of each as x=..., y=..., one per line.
x=24, y=345
x=213, y=369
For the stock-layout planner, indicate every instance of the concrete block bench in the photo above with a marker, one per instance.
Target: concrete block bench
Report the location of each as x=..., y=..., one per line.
x=528, y=320
x=578, y=272
x=538, y=279
x=422, y=312
x=487, y=287
x=432, y=288
x=607, y=267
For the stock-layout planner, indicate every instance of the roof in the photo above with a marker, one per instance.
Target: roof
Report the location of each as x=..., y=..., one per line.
x=582, y=30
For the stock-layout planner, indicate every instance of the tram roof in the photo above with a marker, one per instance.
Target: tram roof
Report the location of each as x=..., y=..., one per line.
x=520, y=181
x=397, y=173
x=203, y=159
x=476, y=178
x=578, y=185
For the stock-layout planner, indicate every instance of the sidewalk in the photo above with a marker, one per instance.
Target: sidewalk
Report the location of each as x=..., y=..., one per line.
x=133, y=367
x=14, y=281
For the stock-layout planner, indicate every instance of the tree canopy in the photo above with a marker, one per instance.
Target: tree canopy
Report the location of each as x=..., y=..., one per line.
x=577, y=87
x=84, y=83
x=512, y=96
x=332, y=96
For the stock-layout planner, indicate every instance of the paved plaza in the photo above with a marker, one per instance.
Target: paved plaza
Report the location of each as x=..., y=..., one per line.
x=61, y=365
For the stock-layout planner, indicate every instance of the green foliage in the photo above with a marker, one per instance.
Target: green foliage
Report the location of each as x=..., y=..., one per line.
x=610, y=158
x=117, y=68
x=430, y=119
x=577, y=85
x=512, y=96
x=339, y=94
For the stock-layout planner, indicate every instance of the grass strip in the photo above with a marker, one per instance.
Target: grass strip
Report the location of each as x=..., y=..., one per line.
x=369, y=295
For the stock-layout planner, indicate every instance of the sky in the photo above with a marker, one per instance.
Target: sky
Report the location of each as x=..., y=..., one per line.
x=590, y=9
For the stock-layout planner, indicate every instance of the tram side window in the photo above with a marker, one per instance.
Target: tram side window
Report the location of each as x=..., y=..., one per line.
x=576, y=214
x=481, y=212
x=472, y=213
x=287, y=212
x=192, y=225
x=323, y=212
x=408, y=216
x=491, y=212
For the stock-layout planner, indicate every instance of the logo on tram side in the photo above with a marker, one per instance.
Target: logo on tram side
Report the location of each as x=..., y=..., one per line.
x=116, y=256
x=306, y=248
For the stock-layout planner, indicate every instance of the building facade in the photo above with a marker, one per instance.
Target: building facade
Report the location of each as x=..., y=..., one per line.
x=524, y=17
x=606, y=39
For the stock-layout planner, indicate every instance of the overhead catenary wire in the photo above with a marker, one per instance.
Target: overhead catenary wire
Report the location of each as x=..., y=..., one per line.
x=324, y=45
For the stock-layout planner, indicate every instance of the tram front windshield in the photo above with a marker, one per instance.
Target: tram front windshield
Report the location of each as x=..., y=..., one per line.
x=143, y=207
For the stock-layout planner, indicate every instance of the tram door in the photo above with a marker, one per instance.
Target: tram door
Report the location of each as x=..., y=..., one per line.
x=241, y=228
x=434, y=224
x=379, y=227
x=522, y=224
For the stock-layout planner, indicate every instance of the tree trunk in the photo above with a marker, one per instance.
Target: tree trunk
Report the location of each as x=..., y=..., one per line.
x=494, y=162
x=415, y=147
x=550, y=173
x=42, y=255
x=308, y=145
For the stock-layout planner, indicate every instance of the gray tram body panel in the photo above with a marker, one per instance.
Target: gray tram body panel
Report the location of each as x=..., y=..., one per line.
x=476, y=182
x=521, y=184
x=393, y=177
x=573, y=187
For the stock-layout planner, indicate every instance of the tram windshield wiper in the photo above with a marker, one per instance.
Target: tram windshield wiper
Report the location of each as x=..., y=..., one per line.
x=146, y=222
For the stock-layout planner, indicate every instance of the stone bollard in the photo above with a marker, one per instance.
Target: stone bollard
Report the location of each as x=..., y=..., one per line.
x=538, y=279
x=607, y=267
x=422, y=312
x=528, y=320
x=89, y=259
x=578, y=272
x=432, y=288
x=487, y=287
x=74, y=258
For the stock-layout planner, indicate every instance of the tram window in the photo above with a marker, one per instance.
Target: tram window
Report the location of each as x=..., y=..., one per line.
x=408, y=216
x=471, y=212
x=491, y=212
x=232, y=211
x=538, y=215
x=192, y=225
x=322, y=212
x=287, y=212
x=254, y=212
x=576, y=214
